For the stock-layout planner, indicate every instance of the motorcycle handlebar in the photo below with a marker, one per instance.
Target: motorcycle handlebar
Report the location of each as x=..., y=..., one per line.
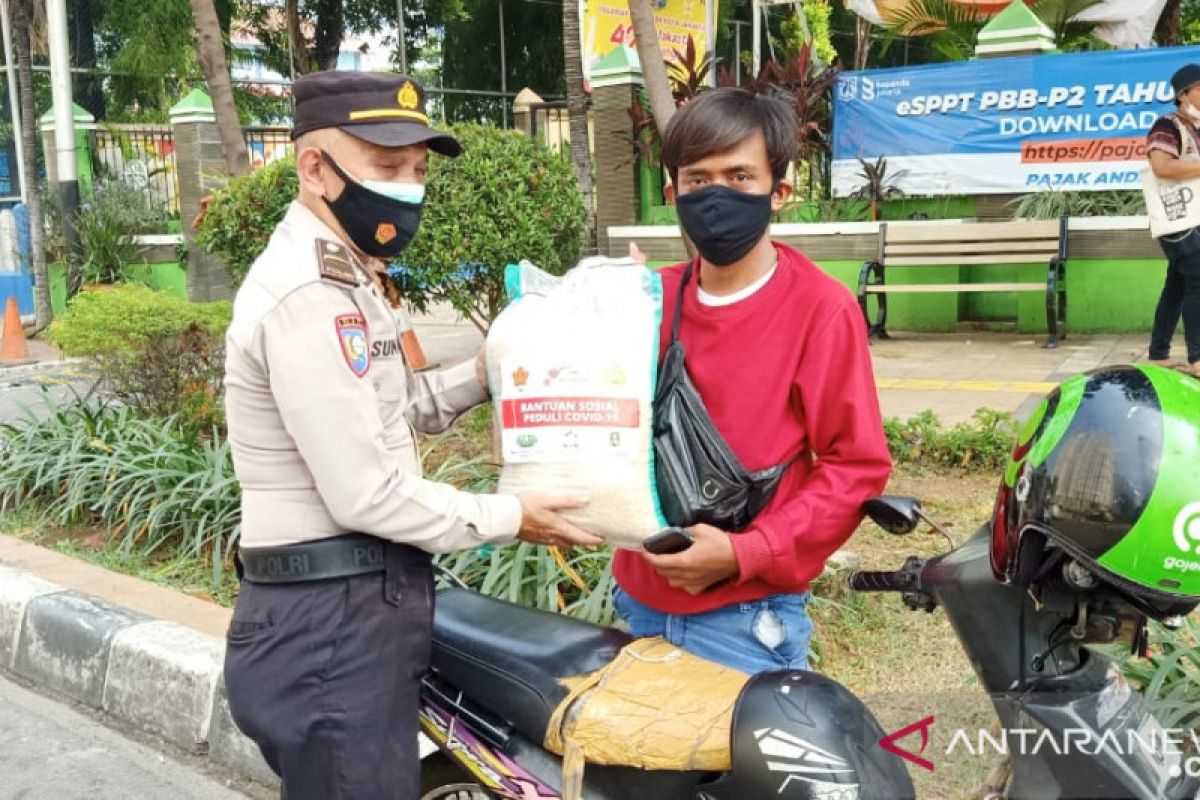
x=898, y=581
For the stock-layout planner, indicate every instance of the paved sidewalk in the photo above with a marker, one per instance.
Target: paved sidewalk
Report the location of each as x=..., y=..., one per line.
x=954, y=374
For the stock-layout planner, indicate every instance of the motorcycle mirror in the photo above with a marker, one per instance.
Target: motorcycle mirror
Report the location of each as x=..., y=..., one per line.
x=894, y=513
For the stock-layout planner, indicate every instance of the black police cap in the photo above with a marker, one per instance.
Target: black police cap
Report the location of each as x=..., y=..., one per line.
x=1185, y=78
x=383, y=108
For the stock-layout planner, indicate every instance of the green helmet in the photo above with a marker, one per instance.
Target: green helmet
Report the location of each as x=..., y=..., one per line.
x=1108, y=470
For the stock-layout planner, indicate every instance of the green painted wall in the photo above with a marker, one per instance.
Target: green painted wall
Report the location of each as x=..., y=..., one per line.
x=1113, y=295
x=169, y=277
x=58, y=287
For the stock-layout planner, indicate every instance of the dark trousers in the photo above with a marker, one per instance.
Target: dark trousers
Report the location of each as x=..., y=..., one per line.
x=1180, y=297
x=325, y=678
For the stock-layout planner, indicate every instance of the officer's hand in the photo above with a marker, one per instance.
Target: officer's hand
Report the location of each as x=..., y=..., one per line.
x=540, y=524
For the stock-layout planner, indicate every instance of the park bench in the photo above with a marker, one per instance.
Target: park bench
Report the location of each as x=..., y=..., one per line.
x=962, y=244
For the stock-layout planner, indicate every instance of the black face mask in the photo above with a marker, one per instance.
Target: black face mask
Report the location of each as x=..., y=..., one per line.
x=378, y=225
x=723, y=223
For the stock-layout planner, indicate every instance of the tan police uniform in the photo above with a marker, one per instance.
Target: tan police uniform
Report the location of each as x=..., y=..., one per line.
x=322, y=408
x=332, y=629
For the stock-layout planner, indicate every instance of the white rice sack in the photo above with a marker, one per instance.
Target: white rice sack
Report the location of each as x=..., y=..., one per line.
x=572, y=363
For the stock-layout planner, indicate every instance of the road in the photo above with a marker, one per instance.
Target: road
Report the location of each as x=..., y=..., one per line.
x=50, y=751
x=20, y=390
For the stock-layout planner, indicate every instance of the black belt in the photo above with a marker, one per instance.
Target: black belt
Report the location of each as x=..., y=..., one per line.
x=339, y=557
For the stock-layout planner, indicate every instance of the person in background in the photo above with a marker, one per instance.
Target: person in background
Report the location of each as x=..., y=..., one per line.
x=1173, y=147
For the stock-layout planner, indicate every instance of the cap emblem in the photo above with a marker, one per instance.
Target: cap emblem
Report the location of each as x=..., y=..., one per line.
x=408, y=97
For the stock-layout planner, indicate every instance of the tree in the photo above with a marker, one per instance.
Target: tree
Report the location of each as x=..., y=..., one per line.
x=89, y=89
x=22, y=24
x=654, y=67
x=311, y=32
x=151, y=48
x=211, y=48
x=533, y=43
x=1169, y=30
x=581, y=152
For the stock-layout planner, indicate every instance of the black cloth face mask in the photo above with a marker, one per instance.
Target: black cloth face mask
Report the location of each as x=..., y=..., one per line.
x=378, y=225
x=723, y=223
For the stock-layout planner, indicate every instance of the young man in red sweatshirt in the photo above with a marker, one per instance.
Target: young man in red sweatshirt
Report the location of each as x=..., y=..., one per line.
x=778, y=351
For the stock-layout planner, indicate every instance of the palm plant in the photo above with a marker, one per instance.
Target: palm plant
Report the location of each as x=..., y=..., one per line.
x=1059, y=16
x=877, y=184
x=952, y=29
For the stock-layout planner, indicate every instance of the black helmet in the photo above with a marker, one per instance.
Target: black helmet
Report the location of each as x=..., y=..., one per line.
x=804, y=736
x=1108, y=470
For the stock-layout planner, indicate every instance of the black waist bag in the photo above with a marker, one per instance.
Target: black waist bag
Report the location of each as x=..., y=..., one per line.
x=699, y=477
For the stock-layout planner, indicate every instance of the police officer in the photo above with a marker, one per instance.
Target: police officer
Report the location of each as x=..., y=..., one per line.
x=331, y=632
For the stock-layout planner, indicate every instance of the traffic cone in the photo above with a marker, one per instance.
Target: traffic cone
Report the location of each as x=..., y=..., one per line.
x=413, y=353
x=13, y=350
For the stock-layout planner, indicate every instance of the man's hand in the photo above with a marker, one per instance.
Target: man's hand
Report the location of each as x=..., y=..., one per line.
x=541, y=525
x=636, y=253
x=706, y=563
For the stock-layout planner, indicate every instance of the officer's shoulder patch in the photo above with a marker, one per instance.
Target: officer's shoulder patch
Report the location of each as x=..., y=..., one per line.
x=352, y=337
x=335, y=263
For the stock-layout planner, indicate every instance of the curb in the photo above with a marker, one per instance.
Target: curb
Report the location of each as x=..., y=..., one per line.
x=24, y=372
x=159, y=677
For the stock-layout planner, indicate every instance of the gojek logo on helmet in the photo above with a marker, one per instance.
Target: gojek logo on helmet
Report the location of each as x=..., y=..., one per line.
x=1186, y=532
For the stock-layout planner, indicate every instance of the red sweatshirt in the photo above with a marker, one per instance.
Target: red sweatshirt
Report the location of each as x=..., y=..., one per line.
x=785, y=370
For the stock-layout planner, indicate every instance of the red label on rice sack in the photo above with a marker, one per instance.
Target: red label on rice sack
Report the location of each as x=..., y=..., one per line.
x=541, y=412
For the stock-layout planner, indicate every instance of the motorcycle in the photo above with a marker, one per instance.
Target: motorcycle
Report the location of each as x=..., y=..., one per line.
x=497, y=670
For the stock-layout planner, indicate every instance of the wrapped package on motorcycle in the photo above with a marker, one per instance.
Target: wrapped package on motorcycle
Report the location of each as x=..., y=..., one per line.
x=572, y=363
x=654, y=706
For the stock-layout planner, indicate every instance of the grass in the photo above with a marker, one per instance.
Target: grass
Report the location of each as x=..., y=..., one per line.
x=190, y=575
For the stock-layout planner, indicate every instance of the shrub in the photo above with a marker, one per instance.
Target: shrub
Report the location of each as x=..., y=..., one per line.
x=982, y=444
x=1054, y=204
x=106, y=227
x=150, y=484
x=240, y=218
x=158, y=354
x=127, y=318
x=506, y=198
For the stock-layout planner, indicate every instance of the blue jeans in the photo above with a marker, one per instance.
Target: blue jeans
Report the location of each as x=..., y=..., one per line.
x=1180, y=297
x=758, y=636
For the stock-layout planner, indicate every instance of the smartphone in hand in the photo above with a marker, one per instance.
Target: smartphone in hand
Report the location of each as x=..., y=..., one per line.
x=668, y=541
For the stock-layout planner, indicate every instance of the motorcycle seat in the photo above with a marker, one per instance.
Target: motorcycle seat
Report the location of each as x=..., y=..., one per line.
x=509, y=658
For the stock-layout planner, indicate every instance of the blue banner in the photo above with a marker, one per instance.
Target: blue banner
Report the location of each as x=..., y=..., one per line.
x=1073, y=121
